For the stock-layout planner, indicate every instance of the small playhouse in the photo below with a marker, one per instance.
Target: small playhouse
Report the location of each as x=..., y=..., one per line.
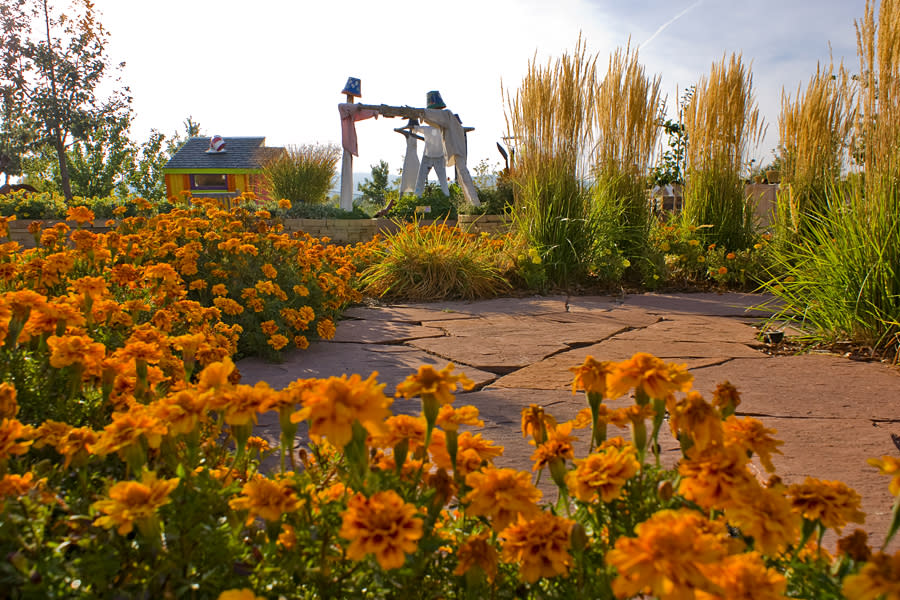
x=217, y=167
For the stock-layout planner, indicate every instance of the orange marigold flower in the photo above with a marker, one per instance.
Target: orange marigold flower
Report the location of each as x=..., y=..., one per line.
x=440, y=384
x=74, y=349
x=131, y=502
x=401, y=427
x=228, y=306
x=216, y=375
x=536, y=422
x=9, y=407
x=263, y=497
x=450, y=418
x=269, y=271
x=726, y=398
x=16, y=486
x=301, y=342
x=242, y=403
x=767, y=517
x=239, y=594
x=745, y=577
x=855, y=545
x=888, y=465
x=645, y=372
x=15, y=438
x=751, y=435
x=287, y=539
x=472, y=452
x=878, y=578
x=668, y=556
x=477, y=551
x=603, y=473
x=219, y=289
x=695, y=417
x=558, y=445
x=716, y=477
x=127, y=429
x=79, y=214
x=333, y=405
x=325, y=329
x=277, y=341
x=722, y=270
x=501, y=495
x=383, y=525
x=591, y=376
x=832, y=503
x=92, y=287
x=284, y=204
x=540, y=546
x=269, y=327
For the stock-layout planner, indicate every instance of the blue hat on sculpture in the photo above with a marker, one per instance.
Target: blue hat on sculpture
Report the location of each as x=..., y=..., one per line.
x=434, y=100
x=353, y=87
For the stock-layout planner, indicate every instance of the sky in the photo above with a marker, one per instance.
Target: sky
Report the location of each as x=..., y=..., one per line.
x=276, y=68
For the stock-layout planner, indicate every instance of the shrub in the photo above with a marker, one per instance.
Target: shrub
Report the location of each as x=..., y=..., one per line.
x=302, y=173
x=721, y=120
x=435, y=262
x=442, y=207
x=302, y=210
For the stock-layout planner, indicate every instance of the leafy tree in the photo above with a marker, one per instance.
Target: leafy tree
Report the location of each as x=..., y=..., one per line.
x=671, y=165
x=376, y=189
x=146, y=179
x=98, y=163
x=16, y=135
x=54, y=63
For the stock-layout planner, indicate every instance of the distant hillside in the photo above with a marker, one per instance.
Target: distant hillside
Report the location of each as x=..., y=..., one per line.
x=358, y=178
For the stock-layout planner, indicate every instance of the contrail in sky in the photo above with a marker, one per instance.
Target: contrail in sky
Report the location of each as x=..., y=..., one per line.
x=669, y=22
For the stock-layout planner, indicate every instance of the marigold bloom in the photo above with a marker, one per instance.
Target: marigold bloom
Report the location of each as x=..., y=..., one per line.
x=591, y=376
x=287, y=539
x=603, y=473
x=472, y=452
x=558, y=445
x=333, y=405
x=450, y=418
x=878, y=578
x=726, y=398
x=15, y=438
x=383, y=525
x=79, y=214
x=716, y=477
x=440, y=384
x=74, y=349
x=15, y=486
x=131, y=502
x=668, y=556
x=216, y=374
x=832, y=503
x=325, y=329
x=477, y=551
x=263, y=497
x=855, y=545
x=536, y=422
x=888, y=465
x=766, y=515
x=540, y=546
x=127, y=429
x=9, y=407
x=278, y=341
x=644, y=371
x=501, y=495
x=745, y=577
x=241, y=594
x=269, y=271
x=401, y=427
x=751, y=435
x=697, y=418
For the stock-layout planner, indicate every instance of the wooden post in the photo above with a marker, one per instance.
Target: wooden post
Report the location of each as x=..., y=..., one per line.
x=347, y=175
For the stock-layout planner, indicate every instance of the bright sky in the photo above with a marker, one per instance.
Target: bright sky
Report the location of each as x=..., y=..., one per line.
x=276, y=67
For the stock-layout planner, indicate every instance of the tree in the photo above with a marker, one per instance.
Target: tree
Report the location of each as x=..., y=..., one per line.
x=146, y=179
x=16, y=135
x=54, y=62
x=98, y=164
x=375, y=190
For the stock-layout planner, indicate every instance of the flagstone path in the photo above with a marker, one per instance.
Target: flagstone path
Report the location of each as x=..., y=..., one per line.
x=831, y=412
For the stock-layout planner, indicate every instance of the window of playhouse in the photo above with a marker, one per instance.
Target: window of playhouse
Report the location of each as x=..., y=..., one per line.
x=209, y=181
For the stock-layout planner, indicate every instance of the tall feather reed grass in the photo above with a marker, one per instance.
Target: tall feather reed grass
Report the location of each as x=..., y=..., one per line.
x=550, y=118
x=723, y=122
x=302, y=173
x=814, y=129
x=842, y=278
x=628, y=108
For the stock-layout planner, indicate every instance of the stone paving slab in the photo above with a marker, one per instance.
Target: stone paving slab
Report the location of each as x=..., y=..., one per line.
x=382, y=332
x=405, y=314
x=731, y=304
x=690, y=328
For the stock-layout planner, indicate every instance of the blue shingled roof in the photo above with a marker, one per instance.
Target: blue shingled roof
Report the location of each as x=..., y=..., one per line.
x=240, y=153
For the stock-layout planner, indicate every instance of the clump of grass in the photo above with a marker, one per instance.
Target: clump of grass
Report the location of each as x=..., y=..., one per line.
x=722, y=122
x=302, y=173
x=627, y=107
x=842, y=276
x=435, y=262
x=550, y=118
x=814, y=127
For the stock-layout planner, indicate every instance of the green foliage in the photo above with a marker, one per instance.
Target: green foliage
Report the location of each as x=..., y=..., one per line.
x=146, y=179
x=301, y=210
x=47, y=205
x=715, y=197
x=442, y=207
x=376, y=189
x=302, y=173
x=435, y=262
x=670, y=168
x=97, y=163
x=841, y=280
x=55, y=63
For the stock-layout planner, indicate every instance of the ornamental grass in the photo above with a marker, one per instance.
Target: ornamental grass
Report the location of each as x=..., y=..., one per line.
x=722, y=123
x=302, y=174
x=170, y=498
